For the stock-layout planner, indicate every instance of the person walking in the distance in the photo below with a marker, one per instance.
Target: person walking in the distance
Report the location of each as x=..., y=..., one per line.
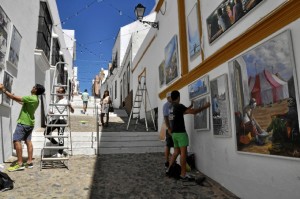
x=168, y=119
x=59, y=110
x=105, y=102
x=85, y=98
x=179, y=134
x=25, y=124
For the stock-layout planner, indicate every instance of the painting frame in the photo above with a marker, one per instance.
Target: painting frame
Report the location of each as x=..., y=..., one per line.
x=194, y=39
x=15, y=46
x=171, y=60
x=199, y=87
x=4, y=36
x=201, y=119
x=161, y=72
x=7, y=83
x=273, y=128
x=220, y=104
x=226, y=15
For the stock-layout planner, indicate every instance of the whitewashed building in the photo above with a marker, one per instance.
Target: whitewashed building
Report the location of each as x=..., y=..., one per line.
x=197, y=44
x=32, y=43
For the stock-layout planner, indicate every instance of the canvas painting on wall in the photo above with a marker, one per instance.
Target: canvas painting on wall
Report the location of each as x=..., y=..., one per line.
x=7, y=82
x=220, y=106
x=198, y=88
x=193, y=33
x=161, y=72
x=227, y=14
x=4, y=30
x=15, y=47
x=201, y=120
x=265, y=99
x=171, y=60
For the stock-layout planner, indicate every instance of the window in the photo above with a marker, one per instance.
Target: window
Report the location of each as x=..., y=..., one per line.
x=44, y=30
x=55, y=51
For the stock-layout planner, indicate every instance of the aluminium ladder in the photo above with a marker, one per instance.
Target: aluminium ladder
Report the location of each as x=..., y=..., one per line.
x=140, y=98
x=62, y=135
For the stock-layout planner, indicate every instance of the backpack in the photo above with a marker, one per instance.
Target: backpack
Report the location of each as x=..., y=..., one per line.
x=6, y=183
x=174, y=171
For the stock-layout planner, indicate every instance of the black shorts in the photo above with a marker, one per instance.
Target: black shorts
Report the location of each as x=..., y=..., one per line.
x=169, y=140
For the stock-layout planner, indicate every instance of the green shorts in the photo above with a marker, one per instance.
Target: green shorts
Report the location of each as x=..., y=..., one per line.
x=180, y=139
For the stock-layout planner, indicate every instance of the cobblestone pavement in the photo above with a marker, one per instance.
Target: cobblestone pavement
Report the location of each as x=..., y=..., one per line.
x=111, y=176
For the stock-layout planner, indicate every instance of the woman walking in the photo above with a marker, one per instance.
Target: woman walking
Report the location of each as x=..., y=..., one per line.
x=105, y=101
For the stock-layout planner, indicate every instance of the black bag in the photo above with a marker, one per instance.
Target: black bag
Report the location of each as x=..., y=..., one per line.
x=174, y=171
x=6, y=183
x=111, y=108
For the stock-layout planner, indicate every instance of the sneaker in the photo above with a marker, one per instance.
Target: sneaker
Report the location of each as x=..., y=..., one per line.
x=16, y=167
x=166, y=165
x=57, y=155
x=186, y=178
x=28, y=165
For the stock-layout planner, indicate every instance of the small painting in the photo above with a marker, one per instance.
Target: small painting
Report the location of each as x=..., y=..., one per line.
x=220, y=106
x=171, y=60
x=265, y=98
x=201, y=120
x=193, y=33
x=7, y=82
x=161, y=72
x=198, y=88
x=15, y=47
x=4, y=30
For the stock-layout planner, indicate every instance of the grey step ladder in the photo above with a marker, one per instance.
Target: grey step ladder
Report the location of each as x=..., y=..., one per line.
x=140, y=100
x=63, y=135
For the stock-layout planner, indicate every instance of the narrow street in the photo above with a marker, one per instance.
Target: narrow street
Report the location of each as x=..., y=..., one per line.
x=115, y=173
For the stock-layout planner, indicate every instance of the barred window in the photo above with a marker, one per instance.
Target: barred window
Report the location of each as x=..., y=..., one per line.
x=62, y=74
x=44, y=30
x=55, y=51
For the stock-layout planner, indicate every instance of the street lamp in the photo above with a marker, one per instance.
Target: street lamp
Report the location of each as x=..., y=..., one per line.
x=139, y=13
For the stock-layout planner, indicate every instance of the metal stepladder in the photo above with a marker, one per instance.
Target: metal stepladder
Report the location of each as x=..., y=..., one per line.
x=141, y=97
x=62, y=133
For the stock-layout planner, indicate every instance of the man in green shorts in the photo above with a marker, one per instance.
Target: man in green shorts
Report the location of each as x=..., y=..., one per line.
x=179, y=135
x=25, y=124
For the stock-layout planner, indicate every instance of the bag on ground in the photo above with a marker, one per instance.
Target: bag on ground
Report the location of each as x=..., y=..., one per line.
x=6, y=183
x=174, y=171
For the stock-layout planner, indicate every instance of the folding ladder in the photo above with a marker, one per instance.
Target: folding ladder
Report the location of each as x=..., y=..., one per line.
x=61, y=135
x=141, y=95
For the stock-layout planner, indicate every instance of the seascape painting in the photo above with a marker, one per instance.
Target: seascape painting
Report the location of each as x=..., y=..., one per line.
x=193, y=33
x=198, y=88
x=171, y=60
x=220, y=106
x=265, y=98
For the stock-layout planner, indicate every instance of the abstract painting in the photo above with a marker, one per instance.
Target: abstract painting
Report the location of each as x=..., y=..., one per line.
x=15, y=47
x=161, y=72
x=171, y=60
x=220, y=106
x=265, y=98
x=4, y=30
x=7, y=82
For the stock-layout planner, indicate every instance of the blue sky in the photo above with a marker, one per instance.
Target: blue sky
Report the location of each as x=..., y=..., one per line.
x=96, y=24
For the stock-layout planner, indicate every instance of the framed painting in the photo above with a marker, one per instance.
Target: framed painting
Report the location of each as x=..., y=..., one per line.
x=198, y=88
x=161, y=72
x=171, y=60
x=4, y=30
x=226, y=15
x=220, y=106
x=201, y=120
x=7, y=82
x=15, y=47
x=265, y=96
x=193, y=33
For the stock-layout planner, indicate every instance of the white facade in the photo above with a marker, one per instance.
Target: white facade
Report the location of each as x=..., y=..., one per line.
x=248, y=175
x=33, y=66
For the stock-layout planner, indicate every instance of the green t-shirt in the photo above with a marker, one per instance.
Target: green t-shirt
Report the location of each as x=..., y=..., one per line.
x=85, y=96
x=30, y=104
